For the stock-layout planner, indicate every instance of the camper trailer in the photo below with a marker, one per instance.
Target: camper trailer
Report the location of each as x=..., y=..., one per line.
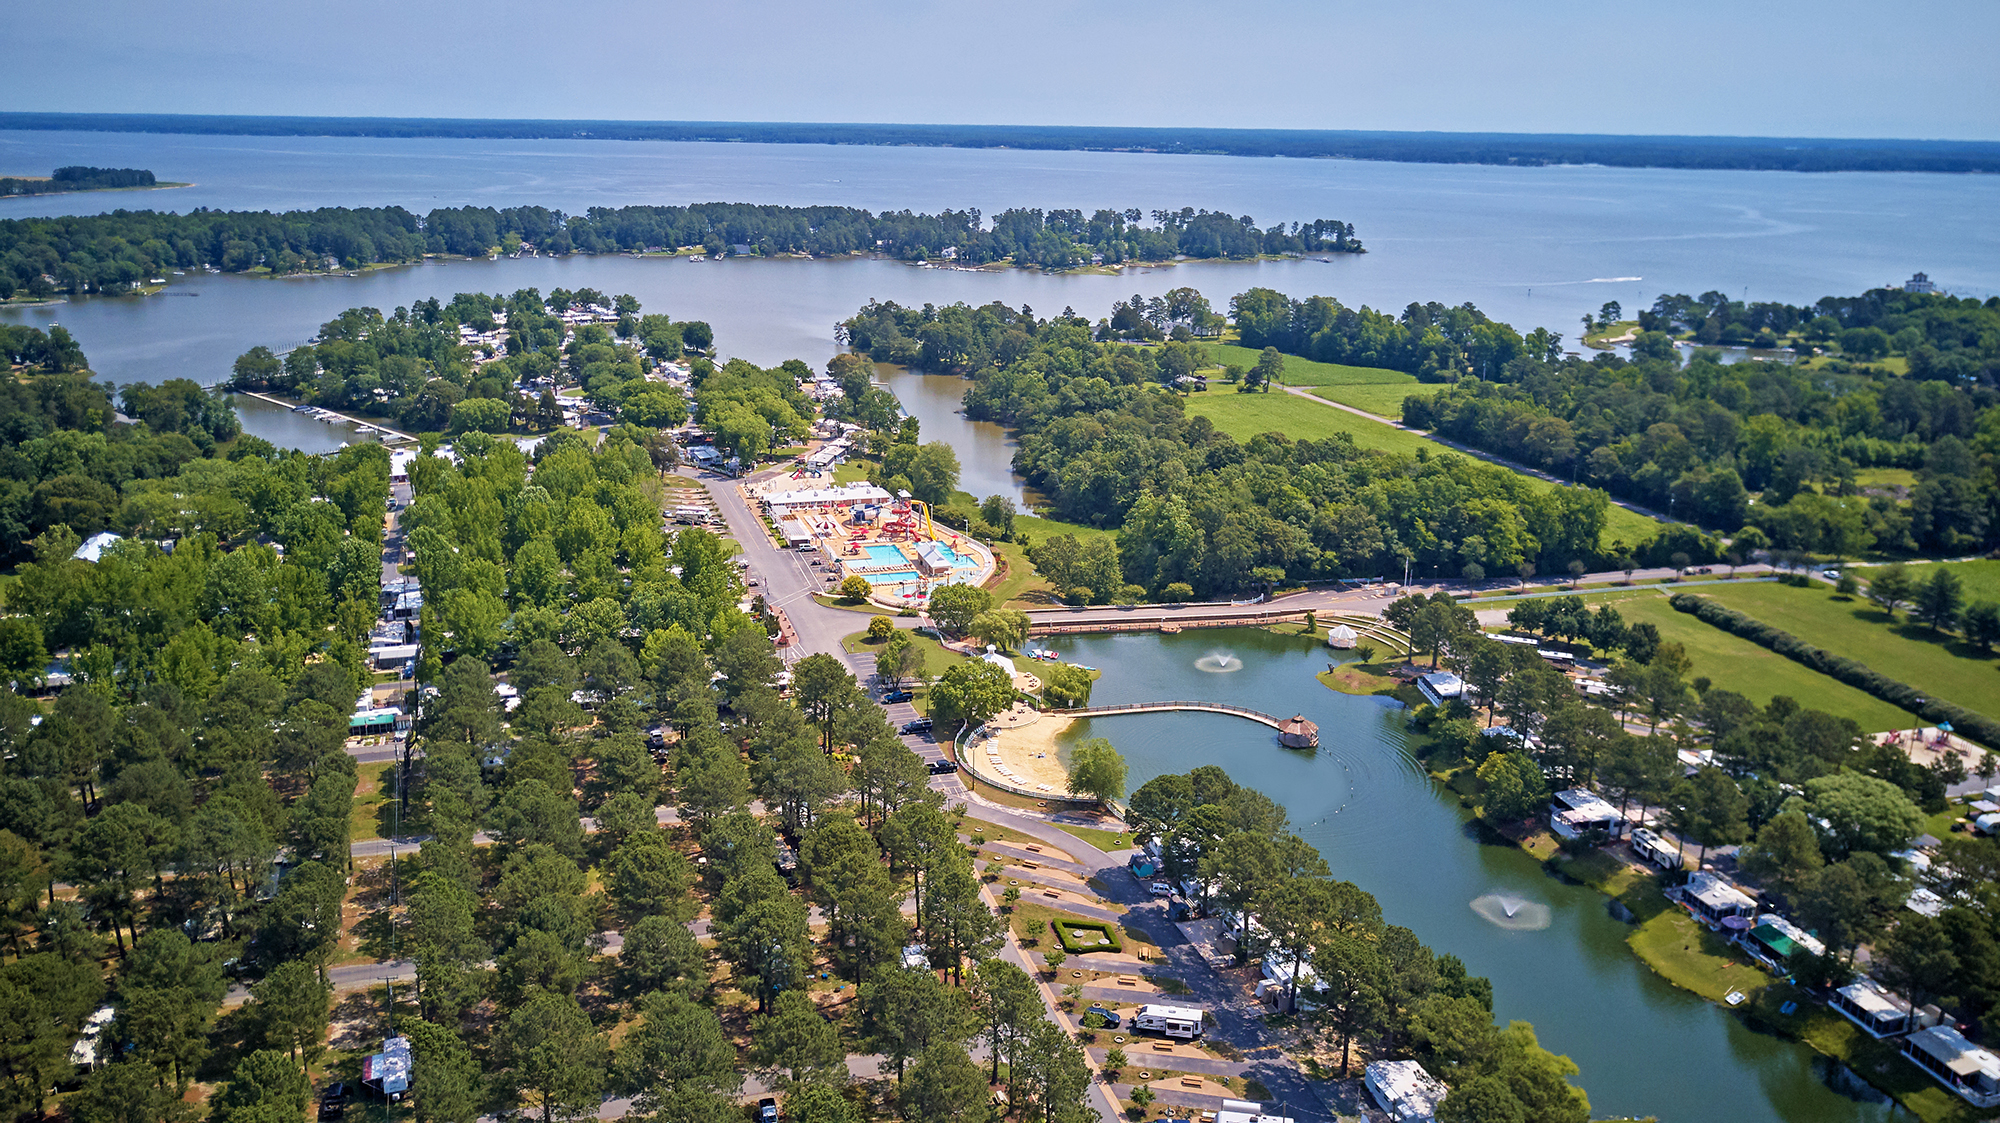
x=1174, y=1021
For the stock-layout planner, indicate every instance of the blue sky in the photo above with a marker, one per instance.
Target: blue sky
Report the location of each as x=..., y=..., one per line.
x=1915, y=68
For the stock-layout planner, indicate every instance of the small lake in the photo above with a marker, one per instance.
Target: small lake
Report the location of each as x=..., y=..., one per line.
x=1645, y=1048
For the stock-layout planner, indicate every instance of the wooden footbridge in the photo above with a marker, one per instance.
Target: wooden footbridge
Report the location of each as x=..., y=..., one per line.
x=1165, y=707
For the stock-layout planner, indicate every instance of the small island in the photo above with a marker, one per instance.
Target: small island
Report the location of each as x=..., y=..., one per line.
x=80, y=178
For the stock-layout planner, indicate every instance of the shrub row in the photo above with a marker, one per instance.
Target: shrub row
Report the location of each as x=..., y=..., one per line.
x=1964, y=722
x=1066, y=930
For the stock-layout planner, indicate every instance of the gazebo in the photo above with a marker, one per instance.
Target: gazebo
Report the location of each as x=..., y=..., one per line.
x=1298, y=733
x=1342, y=636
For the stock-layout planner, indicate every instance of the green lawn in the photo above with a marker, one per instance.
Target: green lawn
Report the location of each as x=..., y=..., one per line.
x=1905, y=651
x=1382, y=401
x=1693, y=958
x=1759, y=673
x=1981, y=578
x=1245, y=415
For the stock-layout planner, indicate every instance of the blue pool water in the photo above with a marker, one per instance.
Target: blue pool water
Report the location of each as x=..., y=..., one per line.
x=958, y=560
x=895, y=578
x=885, y=555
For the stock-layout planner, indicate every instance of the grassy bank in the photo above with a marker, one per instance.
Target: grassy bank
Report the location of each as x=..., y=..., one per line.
x=1375, y=389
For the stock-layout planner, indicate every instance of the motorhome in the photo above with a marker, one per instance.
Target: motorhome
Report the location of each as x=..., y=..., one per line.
x=1174, y=1021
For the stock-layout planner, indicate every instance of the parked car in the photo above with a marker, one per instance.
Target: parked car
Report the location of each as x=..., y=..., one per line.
x=921, y=725
x=1830, y=574
x=1161, y=889
x=333, y=1101
x=1110, y=1019
x=943, y=767
x=898, y=696
x=767, y=1110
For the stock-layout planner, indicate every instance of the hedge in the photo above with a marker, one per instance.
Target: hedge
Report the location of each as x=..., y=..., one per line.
x=1966, y=723
x=1066, y=933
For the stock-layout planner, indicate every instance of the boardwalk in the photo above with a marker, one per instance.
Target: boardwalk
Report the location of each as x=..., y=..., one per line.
x=1164, y=707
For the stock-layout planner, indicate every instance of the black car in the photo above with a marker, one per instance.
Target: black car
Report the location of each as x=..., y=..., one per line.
x=898, y=696
x=921, y=725
x=943, y=767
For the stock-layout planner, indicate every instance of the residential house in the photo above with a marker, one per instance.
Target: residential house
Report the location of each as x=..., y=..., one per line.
x=1958, y=1064
x=1405, y=1090
x=1875, y=1008
x=1713, y=900
x=1577, y=812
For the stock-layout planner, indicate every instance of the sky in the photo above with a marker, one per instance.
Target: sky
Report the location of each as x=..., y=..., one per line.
x=1819, y=68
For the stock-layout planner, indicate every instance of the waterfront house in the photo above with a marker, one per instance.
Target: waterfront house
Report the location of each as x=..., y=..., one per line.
x=1405, y=1090
x=1875, y=1008
x=1958, y=1064
x=1440, y=687
x=1578, y=812
x=1653, y=850
x=1713, y=900
x=1773, y=941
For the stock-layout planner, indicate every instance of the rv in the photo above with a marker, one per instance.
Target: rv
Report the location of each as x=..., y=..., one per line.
x=1174, y=1021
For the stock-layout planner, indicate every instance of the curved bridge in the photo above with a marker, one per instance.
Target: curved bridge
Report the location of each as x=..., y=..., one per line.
x=1161, y=707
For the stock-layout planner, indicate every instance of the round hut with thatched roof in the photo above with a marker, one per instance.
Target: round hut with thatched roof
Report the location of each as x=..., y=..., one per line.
x=1298, y=733
x=1342, y=636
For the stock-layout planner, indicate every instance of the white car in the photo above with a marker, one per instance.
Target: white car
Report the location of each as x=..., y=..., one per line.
x=1161, y=889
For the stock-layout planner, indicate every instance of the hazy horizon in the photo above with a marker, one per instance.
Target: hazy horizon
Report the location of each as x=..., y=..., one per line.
x=1840, y=69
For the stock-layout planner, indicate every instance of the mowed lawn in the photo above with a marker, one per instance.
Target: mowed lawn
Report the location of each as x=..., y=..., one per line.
x=1942, y=667
x=1981, y=578
x=1759, y=673
x=1375, y=389
x=1243, y=416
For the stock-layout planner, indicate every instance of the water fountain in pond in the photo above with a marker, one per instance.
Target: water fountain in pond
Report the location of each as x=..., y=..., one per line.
x=1516, y=914
x=1218, y=662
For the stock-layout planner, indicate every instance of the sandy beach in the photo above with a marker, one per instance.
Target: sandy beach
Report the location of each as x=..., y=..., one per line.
x=1030, y=754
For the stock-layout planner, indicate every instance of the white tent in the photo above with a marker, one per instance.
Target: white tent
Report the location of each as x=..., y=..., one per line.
x=1341, y=636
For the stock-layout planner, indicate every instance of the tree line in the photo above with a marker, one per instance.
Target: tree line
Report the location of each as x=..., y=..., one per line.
x=110, y=252
x=1201, y=513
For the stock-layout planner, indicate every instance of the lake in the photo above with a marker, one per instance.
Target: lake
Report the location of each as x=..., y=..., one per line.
x=1645, y=1047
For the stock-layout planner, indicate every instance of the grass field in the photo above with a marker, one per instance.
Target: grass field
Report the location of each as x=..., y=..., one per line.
x=1374, y=389
x=1981, y=578
x=1245, y=415
x=1693, y=958
x=1942, y=666
x=1382, y=401
x=1755, y=672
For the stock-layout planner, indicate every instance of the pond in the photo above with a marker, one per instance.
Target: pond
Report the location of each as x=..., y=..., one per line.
x=1645, y=1047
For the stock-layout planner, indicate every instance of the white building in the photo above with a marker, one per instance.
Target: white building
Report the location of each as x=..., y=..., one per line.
x=1578, y=812
x=1875, y=1008
x=1405, y=1090
x=785, y=504
x=94, y=546
x=1958, y=1064
x=1440, y=687
x=1713, y=900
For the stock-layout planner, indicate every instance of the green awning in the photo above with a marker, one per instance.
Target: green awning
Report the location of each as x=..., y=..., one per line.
x=1778, y=942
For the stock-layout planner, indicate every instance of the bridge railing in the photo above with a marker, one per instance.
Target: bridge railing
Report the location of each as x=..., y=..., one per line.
x=1144, y=707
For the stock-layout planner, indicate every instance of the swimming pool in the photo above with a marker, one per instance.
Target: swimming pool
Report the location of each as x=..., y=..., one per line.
x=895, y=578
x=885, y=555
x=958, y=560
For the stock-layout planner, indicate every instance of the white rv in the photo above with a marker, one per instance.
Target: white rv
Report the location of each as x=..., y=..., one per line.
x=1174, y=1021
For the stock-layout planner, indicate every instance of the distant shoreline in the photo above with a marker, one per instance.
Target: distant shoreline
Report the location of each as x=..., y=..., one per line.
x=1798, y=154
x=162, y=186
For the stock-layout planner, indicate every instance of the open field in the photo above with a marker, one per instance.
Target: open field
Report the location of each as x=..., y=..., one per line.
x=1374, y=389
x=1759, y=673
x=1941, y=666
x=1981, y=578
x=1245, y=415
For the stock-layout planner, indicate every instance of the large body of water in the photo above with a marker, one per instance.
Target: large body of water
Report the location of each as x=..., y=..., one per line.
x=1645, y=1048
x=1533, y=246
